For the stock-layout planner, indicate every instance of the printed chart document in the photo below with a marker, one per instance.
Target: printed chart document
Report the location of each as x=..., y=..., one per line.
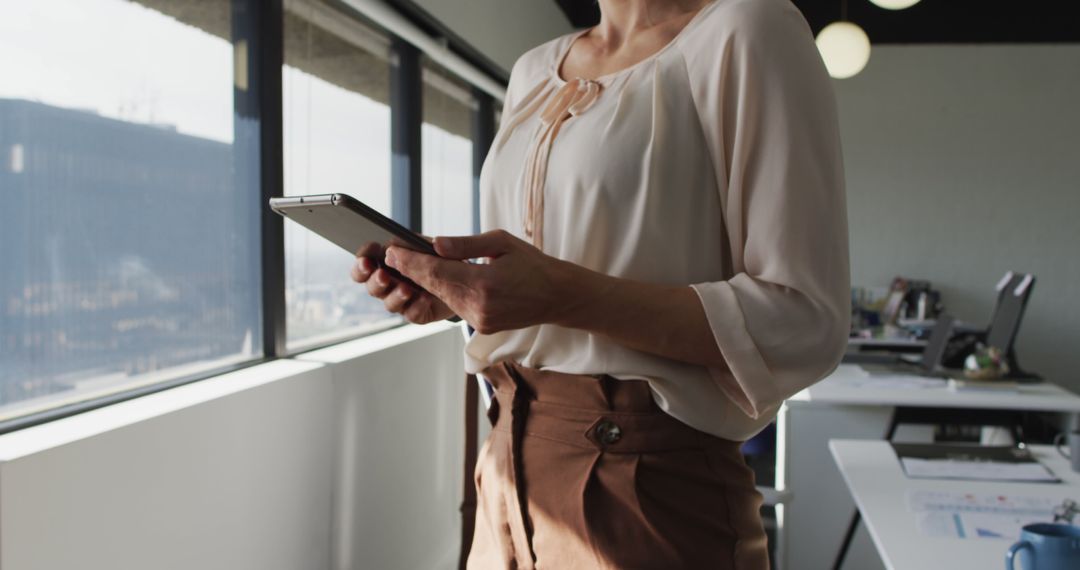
x=947, y=514
x=983, y=463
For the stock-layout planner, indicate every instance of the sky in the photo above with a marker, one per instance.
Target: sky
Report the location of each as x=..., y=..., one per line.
x=119, y=60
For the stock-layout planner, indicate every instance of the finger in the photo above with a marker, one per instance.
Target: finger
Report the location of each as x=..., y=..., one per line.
x=370, y=249
x=380, y=283
x=368, y=264
x=363, y=268
x=398, y=299
x=432, y=273
x=365, y=261
x=487, y=244
x=419, y=310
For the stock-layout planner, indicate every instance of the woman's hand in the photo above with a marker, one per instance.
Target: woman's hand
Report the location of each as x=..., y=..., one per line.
x=518, y=287
x=416, y=305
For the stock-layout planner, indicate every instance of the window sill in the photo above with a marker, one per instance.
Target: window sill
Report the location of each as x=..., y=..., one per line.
x=373, y=343
x=39, y=438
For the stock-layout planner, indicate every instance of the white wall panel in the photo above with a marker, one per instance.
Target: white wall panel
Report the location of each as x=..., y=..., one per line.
x=349, y=458
x=399, y=439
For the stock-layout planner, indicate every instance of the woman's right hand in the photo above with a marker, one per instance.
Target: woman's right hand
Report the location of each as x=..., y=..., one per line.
x=415, y=304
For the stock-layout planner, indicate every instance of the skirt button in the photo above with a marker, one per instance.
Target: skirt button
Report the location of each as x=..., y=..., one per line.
x=608, y=433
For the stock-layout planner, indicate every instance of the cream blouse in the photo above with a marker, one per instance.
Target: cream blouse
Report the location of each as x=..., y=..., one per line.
x=713, y=163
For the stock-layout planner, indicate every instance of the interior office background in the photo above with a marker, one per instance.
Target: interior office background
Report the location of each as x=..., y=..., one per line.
x=961, y=164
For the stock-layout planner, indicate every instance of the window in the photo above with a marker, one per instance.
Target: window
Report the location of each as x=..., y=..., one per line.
x=446, y=153
x=130, y=237
x=129, y=245
x=337, y=139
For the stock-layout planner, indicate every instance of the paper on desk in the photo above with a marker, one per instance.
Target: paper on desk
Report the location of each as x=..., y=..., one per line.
x=971, y=525
x=980, y=470
x=949, y=514
x=983, y=503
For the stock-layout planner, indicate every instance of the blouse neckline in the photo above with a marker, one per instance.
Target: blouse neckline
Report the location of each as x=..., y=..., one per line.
x=606, y=78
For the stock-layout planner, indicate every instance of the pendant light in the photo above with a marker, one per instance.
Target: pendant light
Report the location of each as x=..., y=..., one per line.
x=844, y=46
x=894, y=4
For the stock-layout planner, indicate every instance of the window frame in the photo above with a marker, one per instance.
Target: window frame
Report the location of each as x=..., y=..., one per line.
x=259, y=25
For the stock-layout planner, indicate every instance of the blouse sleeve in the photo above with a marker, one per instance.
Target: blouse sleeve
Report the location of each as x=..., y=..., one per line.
x=767, y=109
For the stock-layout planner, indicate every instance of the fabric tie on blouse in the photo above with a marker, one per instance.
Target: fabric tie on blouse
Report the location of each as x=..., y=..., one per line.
x=572, y=99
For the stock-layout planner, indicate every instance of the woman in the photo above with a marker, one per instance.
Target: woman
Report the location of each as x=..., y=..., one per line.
x=666, y=262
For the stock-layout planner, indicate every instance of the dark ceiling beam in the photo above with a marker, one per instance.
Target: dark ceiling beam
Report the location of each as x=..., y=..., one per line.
x=928, y=22
x=581, y=13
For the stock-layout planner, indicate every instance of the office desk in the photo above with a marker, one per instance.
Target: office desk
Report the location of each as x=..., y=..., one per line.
x=846, y=405
x=879, y=486
x=886, y=343
x=848, y=385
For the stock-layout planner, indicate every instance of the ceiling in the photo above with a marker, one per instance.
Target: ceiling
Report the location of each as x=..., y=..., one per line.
x=929, y=21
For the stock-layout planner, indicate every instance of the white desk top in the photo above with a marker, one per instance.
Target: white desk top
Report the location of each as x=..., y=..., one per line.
x=849, y=384
x=879, y=486
x=872, y=342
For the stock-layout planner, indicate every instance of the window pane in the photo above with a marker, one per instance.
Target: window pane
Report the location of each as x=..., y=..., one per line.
x=447, y=153
x=129, y=229
x=337, y=139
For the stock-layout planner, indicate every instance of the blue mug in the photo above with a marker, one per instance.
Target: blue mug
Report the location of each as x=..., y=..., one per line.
x=1049, y=546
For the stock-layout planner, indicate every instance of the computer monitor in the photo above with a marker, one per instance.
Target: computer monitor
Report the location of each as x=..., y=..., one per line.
x=935, y=345
x=1010, y=278
x=1005, y=322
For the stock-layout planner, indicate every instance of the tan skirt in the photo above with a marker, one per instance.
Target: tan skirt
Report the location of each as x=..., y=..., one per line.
x=587, y=472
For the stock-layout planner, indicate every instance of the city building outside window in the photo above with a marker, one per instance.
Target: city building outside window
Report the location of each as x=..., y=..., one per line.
x=128, y=240
x=336, y=89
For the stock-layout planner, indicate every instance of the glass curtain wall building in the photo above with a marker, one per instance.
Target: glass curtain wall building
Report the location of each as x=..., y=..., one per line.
x=119, y=129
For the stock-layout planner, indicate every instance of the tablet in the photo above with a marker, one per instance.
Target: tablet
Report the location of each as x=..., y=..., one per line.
x=350, y=224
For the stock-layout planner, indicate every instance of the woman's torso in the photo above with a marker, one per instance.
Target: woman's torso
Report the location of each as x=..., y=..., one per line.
x=630, y=191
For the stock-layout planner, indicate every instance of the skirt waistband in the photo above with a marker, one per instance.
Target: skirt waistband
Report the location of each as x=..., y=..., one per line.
x=602, y=412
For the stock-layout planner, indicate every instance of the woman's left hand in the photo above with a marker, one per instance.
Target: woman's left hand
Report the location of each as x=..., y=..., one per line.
x=518, y=287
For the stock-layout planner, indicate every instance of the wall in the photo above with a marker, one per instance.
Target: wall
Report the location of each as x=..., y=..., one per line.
x=964, y=162
x=521, y=24
x=345, y=458
x=398, y=441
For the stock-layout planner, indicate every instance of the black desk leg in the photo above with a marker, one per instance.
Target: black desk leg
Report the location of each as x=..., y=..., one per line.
x=890, y=431
x=840, y=556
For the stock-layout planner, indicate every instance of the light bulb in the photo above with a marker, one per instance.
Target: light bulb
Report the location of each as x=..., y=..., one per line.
x=895, y=4
x=845, y=49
